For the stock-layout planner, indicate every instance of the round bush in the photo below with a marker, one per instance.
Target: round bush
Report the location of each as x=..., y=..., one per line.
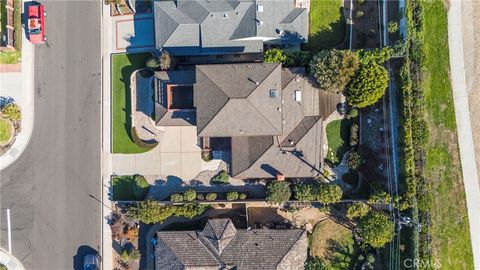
x=232, y=196
x=176, y=198
x=189, y=195
x=242, y=196
x=12, y=112
x=211, y=196
x=140, y=187
x=200, y=197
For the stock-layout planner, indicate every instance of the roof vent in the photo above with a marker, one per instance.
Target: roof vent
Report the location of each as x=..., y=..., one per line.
x=297, y=95
x=259, y=8
x=225, y=15
x=273, y=93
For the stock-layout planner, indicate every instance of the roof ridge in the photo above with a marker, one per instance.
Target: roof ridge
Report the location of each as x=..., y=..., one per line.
x=223, y=106
x=210, y=250
x=268, y=75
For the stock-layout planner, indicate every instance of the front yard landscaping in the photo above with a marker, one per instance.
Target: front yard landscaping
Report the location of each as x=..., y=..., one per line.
x=9, y=57
x=450, y=229
x=122, y=67
x=333, y=243
x=338, y=133
x=6, y=131
x=327, y=24
x=129, y=188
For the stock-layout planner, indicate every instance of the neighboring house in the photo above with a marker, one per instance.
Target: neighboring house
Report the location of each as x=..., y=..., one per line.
x=221, y=246
x=269, y=118
x=205, y=27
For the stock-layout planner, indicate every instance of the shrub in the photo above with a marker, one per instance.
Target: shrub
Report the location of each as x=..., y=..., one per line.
x=221, y=178
x=232, y=196
x=315, y=263
x=354, y=160
x=334, y=69
x=278, y=192
x=176, y=197
x=368, y=86
x=140, y=187
x=190, y=195
x=298, y=58
x=357, y=209
x=361, y=2
x=242, y=196
x=392, y=27
x=211, y=196
x=200, y=197
x=329, y=193
x=12, y=111
x=359, y=14
x=376, y=229
x=380, y=197
x=352, y=114
x=304, y=192
x=150, y=211
x=354, y=135
x=165, y=60
x=274, y=56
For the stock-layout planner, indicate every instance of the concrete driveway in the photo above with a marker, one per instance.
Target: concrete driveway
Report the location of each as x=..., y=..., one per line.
x=177, y=155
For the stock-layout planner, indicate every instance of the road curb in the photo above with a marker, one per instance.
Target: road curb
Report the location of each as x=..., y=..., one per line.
x=27, y=107
x=10, y=261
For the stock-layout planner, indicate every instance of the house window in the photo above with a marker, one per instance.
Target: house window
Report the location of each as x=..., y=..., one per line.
x=273, y=93
x=259, y=8
x=297, y=95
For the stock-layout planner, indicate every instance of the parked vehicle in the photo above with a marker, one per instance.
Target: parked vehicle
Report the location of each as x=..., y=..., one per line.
x=36, y=23
x=91, y=262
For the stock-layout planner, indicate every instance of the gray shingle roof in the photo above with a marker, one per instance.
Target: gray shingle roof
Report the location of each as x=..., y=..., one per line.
x=246, y=250
x=222, y=26
x=233, y=100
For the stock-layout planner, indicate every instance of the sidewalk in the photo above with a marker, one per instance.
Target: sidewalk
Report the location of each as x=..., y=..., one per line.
x=19, y=86
x=464, y=127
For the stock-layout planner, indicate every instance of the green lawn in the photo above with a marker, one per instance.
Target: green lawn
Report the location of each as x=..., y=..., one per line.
x=338, y=133
x=327, y=24
x=450, y=230
x=10, y=57
x=5, y=130
x=334, y=244
x=122, y=67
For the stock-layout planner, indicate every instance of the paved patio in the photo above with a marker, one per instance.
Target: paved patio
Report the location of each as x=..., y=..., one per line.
x=133, y=33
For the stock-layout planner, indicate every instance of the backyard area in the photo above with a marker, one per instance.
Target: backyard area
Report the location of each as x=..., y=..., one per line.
x=338, y=133
x=334, y=244
x=122, y=67
x=450, y=230
x=327, y=24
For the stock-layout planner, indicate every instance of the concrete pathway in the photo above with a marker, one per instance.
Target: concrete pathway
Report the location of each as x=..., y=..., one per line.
x=19, y=86
x=464, y=128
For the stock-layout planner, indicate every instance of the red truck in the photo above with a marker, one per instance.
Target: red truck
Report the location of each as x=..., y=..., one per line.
x=36, y=23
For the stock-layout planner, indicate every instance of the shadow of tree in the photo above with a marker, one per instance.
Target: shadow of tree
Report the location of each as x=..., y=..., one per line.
x=331, y=36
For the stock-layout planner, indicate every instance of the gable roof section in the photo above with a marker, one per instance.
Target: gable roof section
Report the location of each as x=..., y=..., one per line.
x=233, y=100
x=219, y=233
x=247, y=150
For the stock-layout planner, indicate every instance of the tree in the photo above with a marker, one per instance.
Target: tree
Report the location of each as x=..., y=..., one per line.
x=368, y=86
x=315, y=263
x=163, y=62
x=380, y=197
x=12, y=111
x=176, y=197
x=149, y=211
x=274, y=56
x=278, y=192
x=232, y=196
x=304, y=192
x=334, y=69
x=211, y=196
x=376, y=229
x=329, y=193
x=392, y=27
x=190, y=195
x=352, y=113
x=140, y=187
x=354, y=160
x=357, y=209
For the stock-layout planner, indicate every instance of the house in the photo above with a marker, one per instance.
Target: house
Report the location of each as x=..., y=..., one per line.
x=222, y=27
x=221, y=246
x=268, y=118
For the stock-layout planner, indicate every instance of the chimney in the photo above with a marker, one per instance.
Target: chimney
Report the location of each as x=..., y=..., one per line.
x=280, y=177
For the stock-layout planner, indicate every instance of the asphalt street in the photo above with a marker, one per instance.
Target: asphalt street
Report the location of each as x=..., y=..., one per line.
x=51, y=188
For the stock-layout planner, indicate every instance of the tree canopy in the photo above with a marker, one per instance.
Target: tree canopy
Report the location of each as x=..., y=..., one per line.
x=334, y=69
x=376, y=229
x=278, y=192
